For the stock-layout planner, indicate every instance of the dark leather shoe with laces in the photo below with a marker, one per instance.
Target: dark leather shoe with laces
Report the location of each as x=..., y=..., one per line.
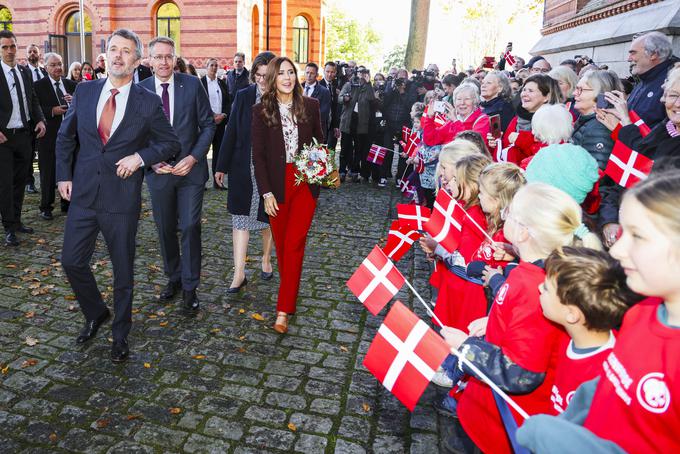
x=170, y=290
x=11, y=239
x=190, y=300
x=91, y=327
x=120, y=351
x=47, y=215
x=24, y=229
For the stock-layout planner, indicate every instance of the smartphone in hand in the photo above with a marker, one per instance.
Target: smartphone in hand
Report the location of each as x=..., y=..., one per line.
x=440, y=107
x=602, y=103
x=495, y=121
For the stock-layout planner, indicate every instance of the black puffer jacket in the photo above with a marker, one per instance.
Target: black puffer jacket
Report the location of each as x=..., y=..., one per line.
x=594, y=137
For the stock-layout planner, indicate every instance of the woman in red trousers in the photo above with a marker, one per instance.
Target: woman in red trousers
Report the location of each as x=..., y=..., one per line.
x=283, y=122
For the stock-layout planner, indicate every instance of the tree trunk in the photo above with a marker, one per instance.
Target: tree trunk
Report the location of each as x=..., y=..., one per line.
x=417, y=35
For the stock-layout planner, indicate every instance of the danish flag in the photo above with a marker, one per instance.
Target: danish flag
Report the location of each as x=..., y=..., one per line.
x=412, y=145
x=420, y=165
x=507, y=56
x=376, y=281
x=399, y=241
x=627, y=167
x=405, y=354
x=640, y=123
x=405, y=133
x=440, y=119
x=376, y=154
x=446, y=223
x=412, y=217
x=406, y=187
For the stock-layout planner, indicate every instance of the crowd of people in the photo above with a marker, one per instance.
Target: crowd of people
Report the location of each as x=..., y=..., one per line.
x=544, y=310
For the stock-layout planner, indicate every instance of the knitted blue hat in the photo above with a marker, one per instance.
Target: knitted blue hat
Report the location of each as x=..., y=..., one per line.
x=565, y=166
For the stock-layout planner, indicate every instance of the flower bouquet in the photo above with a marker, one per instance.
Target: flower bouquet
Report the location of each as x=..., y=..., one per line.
x=315, y=164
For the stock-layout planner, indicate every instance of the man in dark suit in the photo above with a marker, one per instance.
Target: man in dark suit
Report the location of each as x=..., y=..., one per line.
x=220, y=103
x=238, y=77
x=312, y=89
x=37, y=73
x=330, y=81
x=20, y=116
x=120, y=127
x=177, y=184
x=142, y=72
x=54, y=93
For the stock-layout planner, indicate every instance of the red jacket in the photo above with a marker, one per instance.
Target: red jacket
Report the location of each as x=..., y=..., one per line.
x=432, y=135
x=525, y=145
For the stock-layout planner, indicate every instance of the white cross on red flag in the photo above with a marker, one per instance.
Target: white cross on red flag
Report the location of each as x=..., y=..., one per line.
x=446, y=222
x=376, y=154
x=405, y=133
x=640, y=123
x=412, y=145
x=509, y=58
x=405, y=354
x=399, y=241
x=376, y=281
x=627, y=167
x=440, y=119
x=412, y=216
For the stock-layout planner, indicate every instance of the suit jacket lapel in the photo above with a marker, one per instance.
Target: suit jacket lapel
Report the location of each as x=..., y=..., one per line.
x=178, y=101
x=4, y=90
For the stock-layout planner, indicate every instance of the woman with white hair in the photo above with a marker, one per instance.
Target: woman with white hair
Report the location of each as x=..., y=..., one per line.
x=497, y=97
x=567, y=79
x=550, y=125
x=75, y=72
x=465, y=115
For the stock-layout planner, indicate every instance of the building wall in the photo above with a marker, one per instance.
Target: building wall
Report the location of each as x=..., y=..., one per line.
x=208, y=28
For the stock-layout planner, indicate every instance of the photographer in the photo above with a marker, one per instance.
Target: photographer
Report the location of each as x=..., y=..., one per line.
x=396, y=111
x=356, y=97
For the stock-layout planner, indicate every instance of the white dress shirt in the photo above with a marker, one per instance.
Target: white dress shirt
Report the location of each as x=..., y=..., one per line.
x=15, y=118
x=309, y=89
x=171, y=93
x=36, y=76
x=121, y=103
x=215, y=95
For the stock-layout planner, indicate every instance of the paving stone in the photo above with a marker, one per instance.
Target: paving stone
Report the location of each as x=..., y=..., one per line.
x=424, y=443
x=84, y=441
x=199, y=444
x=222, y=428
x=311, y=444
x=346, y=447
x=263, y=437
x=311, y=423
x=130, y=447
x=282, y=383
x=157, y=435
x=302, y=356
x=325, y=406
x=242, y=392
x=354, y=428
x=388, y=444
x=267, y=415
x=190, y=421
x=219, y=406
x=286, y=400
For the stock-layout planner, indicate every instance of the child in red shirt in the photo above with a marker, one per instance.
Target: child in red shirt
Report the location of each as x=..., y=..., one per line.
x=519, y=350
x=634, y=406
x=585, y=292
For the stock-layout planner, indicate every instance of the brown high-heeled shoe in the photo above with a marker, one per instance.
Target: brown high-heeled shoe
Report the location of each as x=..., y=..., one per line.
x=281, y=324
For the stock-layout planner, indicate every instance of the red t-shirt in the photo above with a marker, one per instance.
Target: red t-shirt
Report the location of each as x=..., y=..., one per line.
x=449, y=284
x=573, y=369
x=517, y=325
x=637, y=401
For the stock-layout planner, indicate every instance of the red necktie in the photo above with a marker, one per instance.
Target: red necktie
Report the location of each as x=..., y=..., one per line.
x=106, y=120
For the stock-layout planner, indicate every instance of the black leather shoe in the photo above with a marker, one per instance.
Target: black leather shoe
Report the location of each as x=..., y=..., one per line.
x=11, y=239
x=91, y=327
x=190, y=300
x=170, y=290
x=47, y=215
x=266, y=276
x=25, y=229
x=120, y=351
x=30, y=189
x=238, y=289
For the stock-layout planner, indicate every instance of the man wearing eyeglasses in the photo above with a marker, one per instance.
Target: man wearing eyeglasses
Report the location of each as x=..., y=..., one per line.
x=220, y=103
x=177, y=184
x=20, y=115
x=54, y=93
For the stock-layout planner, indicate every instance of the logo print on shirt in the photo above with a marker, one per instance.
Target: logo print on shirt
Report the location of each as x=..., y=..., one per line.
x=487, y=252
x=650, y=94
x=653, y=393
x=502, y=293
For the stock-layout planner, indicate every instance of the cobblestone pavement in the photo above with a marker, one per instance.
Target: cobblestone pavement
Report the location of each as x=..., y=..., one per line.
x=222, y=381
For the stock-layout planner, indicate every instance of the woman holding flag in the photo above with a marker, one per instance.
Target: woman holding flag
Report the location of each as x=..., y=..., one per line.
x=283, y=122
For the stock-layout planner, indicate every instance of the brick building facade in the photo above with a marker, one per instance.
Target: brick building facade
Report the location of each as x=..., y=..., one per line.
x=202, y=28
x=603, y=29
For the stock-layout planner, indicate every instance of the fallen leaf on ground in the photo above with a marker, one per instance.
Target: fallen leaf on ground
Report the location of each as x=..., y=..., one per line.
x=160, y=313
x=175, y=410
x=343, y=349
x=163, y=323
x=215, y=330
x=292, y=426
x=147, y=365
x=101, y=423
x=71, y=308
x=29, y=314
x=133, y=417
x=153, y=316
x=135, y=311
x=242, y=338
x=11, y=265
x=366, y=407
x=53, y=437
x=198, y=356
x=31, y=341
x=29, y=363
x=257, y=317
x=241, y=311
x=4, y=370
x=70, y=297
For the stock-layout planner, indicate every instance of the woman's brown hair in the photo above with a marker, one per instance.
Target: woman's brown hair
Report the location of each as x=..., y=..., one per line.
x=270, y=101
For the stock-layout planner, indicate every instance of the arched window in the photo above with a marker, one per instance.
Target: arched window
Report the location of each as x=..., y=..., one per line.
x=300, y=40
x=72, y=51
x=255, y=23
x=167, y=22
x=5, y=18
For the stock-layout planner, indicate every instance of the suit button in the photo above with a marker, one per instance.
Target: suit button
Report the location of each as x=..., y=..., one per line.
x=98, y=172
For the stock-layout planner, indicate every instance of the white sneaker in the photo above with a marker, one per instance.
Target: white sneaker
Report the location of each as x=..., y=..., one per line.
x=382, y=183
x=441, y=379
